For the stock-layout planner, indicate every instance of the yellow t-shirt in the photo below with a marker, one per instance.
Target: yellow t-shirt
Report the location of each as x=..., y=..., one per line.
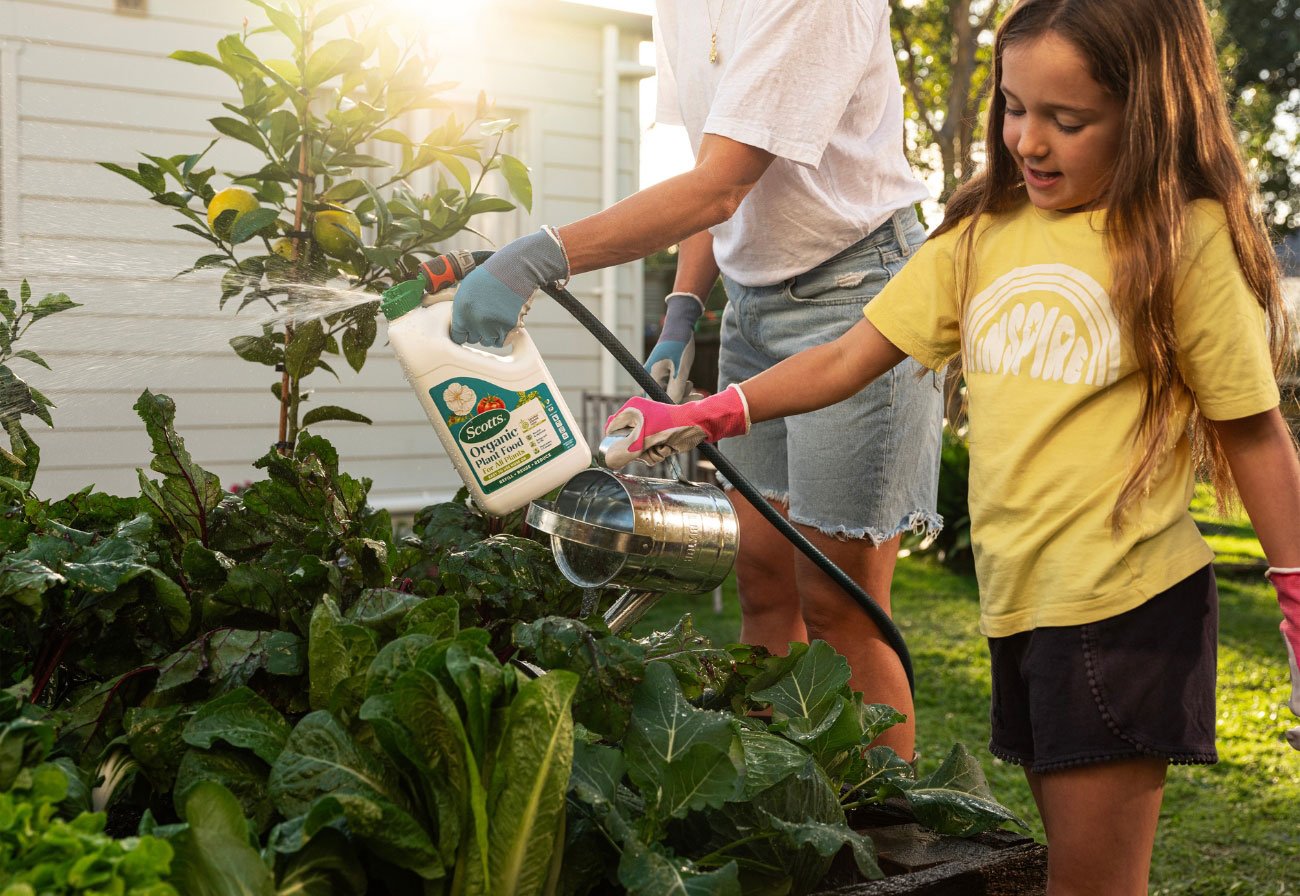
x=1055, y=401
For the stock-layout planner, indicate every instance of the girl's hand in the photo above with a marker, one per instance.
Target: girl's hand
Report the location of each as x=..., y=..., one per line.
x=656, y=431
x=1287, y=583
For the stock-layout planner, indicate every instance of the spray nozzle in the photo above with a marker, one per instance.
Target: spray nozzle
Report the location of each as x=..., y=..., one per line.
x=435, y=274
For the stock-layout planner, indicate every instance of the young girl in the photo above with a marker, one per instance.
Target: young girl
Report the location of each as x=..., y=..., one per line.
x=1115, y=304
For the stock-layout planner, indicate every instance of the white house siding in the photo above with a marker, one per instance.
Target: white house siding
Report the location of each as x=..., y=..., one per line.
x=81, y=83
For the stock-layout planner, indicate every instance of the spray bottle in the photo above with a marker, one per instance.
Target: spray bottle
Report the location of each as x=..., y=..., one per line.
x=499, y=415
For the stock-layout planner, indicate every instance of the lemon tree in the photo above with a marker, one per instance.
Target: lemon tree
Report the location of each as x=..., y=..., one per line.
x=315, y=205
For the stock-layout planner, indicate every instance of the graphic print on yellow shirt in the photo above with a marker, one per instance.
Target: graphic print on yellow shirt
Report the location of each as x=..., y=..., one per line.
x=1054, y=396
x=1046, y=321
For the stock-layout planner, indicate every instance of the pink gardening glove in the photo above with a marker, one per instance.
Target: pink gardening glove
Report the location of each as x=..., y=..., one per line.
x=1287, y=583
x=658, y=431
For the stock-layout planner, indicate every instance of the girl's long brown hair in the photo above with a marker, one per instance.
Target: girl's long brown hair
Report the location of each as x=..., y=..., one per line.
x=1157, y=56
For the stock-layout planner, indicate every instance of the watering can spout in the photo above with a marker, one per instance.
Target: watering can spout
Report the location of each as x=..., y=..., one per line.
x=435, y=274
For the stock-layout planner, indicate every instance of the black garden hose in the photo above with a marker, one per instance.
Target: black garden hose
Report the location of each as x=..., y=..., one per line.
x=656, y=392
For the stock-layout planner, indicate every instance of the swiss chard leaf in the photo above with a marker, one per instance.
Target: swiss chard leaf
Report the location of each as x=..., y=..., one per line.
x=240, y=718
x=324, y=773
x=187, y=495
x=214, y=853
x=242, y=774
x=530, y=773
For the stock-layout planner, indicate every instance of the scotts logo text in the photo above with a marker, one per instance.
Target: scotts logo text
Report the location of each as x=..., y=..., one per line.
x=484, y=426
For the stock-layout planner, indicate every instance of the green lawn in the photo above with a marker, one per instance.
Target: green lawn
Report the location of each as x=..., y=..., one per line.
x=1232, y=828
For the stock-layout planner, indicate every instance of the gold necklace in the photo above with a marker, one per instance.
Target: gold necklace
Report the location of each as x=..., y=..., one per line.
x=713, y=29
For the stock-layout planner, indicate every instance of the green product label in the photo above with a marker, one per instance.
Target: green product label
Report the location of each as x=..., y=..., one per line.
x=502, y=434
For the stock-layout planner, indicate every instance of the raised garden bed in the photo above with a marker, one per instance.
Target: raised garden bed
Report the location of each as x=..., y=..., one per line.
x=919, y=862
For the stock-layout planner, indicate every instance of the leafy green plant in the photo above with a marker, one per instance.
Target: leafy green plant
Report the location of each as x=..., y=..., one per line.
x=297, y=701
x=667, y=788
x=42, y=852
x=18, y=398
x=310, y=118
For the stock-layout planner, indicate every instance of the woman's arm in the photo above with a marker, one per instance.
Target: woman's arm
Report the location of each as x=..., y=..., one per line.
x=696, y=268
x=1267, y=472
x=670, y=211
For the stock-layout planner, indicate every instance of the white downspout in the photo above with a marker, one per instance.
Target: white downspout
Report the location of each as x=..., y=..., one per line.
x=613, y=70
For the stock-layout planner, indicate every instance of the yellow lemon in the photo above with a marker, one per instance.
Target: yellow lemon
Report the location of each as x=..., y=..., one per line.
x=329, y=230
x=230, y=198
x=284, y=248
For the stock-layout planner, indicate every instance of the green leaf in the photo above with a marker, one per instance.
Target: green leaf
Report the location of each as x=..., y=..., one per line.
x=333, y=412
x=186, y=497
x=479, y=205
x=345, y=191
x=214, y=855
x=420, y=728
x=517, y=178
x=251, y=223
x=52, y=304
x=529, y=777
x=828, y=839
x=810, y=696
x=681, y=757
x=130, y=174
x=196, y=58
x=453, y=165
x=240, y=130
x=956, y=799
x=242, y=774
x=769, y=760
x=302, y=354
x=323, y=772
x=284, y=21
x=154, y=737
x=333, y=58
x=609, y=668
x=647, y=871
x=328, y=865
x=260, y=349
x=497, y=127
x=334, y=653
x=240, y=718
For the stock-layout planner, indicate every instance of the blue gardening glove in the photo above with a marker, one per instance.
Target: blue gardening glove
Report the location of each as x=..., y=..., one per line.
x=494, y=298
x=670, y=361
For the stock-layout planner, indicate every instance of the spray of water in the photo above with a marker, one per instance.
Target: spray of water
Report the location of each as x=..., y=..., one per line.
x=117, y=334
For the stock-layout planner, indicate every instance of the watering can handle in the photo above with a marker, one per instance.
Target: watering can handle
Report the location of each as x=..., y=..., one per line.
x=542, y=517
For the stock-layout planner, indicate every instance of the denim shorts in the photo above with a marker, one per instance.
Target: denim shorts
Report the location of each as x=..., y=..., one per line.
x=1137, y=684
x=867, y=467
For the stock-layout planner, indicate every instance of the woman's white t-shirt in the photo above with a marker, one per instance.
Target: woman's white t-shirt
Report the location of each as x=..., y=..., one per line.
x=815, y=83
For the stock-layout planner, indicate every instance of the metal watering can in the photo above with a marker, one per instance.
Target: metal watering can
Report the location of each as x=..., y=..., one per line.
x=643, y=535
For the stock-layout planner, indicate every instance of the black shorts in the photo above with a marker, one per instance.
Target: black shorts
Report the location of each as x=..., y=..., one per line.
x=1137, y=684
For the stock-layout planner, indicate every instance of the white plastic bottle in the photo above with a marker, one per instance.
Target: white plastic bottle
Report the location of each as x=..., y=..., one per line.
x=500, y=417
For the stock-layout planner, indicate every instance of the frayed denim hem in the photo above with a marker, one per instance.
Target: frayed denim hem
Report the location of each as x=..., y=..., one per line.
x=770, y=494
x=919, y=522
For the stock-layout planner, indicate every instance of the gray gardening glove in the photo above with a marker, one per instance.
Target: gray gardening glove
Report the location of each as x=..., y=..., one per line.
x=496, y=295
x=670, y=361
